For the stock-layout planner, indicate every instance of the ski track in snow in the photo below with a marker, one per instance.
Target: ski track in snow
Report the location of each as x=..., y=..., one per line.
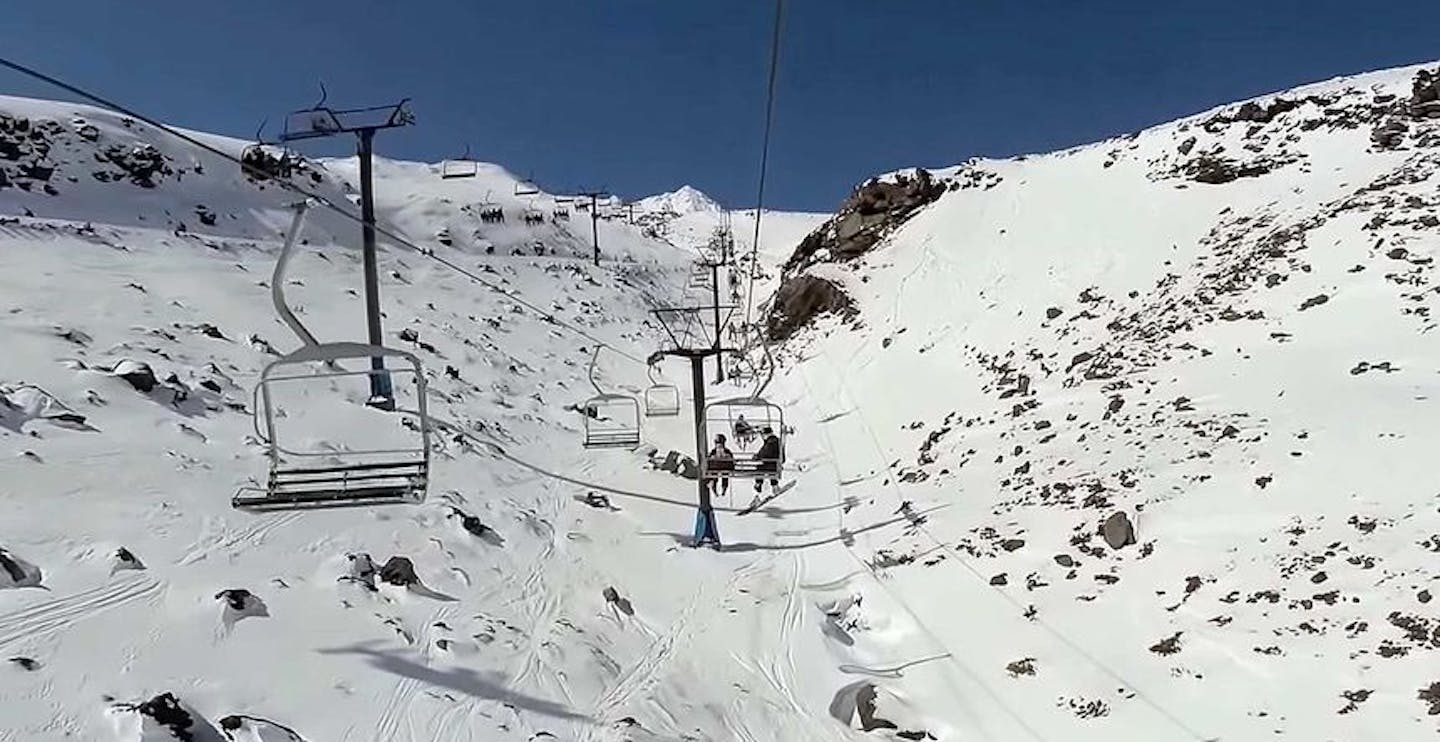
x=62, y=613
x=252, y=534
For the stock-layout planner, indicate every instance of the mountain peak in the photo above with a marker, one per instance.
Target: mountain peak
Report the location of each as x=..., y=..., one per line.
x=684, y=200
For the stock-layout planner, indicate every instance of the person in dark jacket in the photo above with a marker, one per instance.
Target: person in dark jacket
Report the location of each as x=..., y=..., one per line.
x=769, y=457
x=720, y=461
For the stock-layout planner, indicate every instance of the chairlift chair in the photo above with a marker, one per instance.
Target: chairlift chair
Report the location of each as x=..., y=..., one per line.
x=526, y=188
x=261, y=160
x=611, y=420
x=661, y=400
x=300, y=477
x=463, y=167
x=755, y=414
x=329, y=478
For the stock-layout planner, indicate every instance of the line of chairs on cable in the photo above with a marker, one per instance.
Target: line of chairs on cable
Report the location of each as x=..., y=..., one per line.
x=613, y=420
x=386, y=397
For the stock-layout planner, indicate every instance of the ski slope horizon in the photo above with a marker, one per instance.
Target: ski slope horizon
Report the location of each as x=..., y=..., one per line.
x=1124, y=441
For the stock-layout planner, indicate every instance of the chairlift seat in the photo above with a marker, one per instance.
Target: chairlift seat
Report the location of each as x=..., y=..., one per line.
x=451, y=169
x=758, y=413
x=309, y=479
x=612, y=421
x=662, y=400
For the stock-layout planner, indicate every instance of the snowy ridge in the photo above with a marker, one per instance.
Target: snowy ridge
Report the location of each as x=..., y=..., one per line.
x=79, y=163
x=1216, y=327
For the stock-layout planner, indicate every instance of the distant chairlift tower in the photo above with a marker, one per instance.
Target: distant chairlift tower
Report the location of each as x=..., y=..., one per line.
x=320, y=121
x=594, y=197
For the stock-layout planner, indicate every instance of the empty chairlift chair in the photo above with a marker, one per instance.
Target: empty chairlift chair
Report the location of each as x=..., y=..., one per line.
x=392, y=467
x=611, y=420
x=463, y=167
x=661, y=400
x=743, y=421
x=328, y=443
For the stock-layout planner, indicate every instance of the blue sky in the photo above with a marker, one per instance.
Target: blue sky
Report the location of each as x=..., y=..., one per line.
x=642, y=96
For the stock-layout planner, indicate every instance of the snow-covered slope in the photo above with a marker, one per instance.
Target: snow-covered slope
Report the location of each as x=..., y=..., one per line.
x=1227, y=346
x=79, y=163
x=1219, y=327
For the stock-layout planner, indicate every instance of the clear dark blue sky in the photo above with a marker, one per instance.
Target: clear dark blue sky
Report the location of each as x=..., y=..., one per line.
x=645, y=95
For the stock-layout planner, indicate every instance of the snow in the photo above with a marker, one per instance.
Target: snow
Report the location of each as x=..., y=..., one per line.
x=956, y=451
x=680, y=202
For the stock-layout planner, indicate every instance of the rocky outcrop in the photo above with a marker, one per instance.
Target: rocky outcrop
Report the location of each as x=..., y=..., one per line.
x=867, y=216
x=1425, y=95
x=800, y=300
x=164, y=717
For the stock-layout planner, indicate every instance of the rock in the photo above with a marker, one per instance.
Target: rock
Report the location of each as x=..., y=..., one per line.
x=138, y=374
x=362, y=570
x=163, y=717
x=598, y=501
x=474, y=527
x=21, y=403
x=1389, y=135
x=999, y=580
x=802, y=299
x=1167, y=647
x=1053, y=312
x=16, y=572
x=399, y=571
x=873, y=210
x=125, y=560
x=613, y=597
x=865, y=707
x=1314, y=301
x=241, y=728
x=25, y=663
x=1011, y=544
x=240, y=604
x=1216, y=170
x=1118, y=531
x=1025, y=666
x=1064, y=560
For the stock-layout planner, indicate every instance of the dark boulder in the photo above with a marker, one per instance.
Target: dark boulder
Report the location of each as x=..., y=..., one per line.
x=802, y=299
x=399, y=571
x=1118, y=531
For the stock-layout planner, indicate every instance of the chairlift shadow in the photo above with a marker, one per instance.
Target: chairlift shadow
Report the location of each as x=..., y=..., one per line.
x=490, y=686
x=685, y=539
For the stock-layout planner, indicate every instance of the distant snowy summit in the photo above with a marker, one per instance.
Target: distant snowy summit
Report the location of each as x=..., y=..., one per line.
x=685, y=200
